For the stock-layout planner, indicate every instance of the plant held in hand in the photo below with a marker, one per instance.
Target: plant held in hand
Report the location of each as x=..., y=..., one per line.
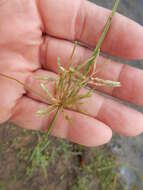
x=68, y=85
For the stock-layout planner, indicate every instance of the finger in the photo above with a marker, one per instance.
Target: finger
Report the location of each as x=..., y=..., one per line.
x=120, y=118
x=84, y=21
x=83, y=129
x=131, y=86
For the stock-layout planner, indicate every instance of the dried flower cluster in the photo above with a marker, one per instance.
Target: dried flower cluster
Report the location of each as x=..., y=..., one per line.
x=70, y=81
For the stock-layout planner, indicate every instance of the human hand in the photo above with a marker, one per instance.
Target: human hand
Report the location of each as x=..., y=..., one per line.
x=26, y=53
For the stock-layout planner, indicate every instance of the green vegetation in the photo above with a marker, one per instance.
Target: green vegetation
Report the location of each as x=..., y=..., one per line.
x=101, y=165
x=63, y=165
x=91, y=167
x=2, y=186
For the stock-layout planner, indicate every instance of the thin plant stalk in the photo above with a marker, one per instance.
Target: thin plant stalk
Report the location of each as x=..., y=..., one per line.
x=102, y=37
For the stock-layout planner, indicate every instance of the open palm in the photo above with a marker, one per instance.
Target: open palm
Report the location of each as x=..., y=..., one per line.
x=34, y=33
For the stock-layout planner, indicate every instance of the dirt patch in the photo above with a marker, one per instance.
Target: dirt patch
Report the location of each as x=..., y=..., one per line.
x=68, y=166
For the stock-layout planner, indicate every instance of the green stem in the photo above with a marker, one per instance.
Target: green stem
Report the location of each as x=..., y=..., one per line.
x=114, y=186
x=101, y=39
x=107, y=26
x=53, y=121
x=51, y=127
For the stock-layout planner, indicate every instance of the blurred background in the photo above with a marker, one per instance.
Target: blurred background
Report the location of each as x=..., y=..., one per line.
x=66, y=166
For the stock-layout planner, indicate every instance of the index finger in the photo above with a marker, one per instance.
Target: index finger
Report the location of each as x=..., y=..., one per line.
x=84, y=21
